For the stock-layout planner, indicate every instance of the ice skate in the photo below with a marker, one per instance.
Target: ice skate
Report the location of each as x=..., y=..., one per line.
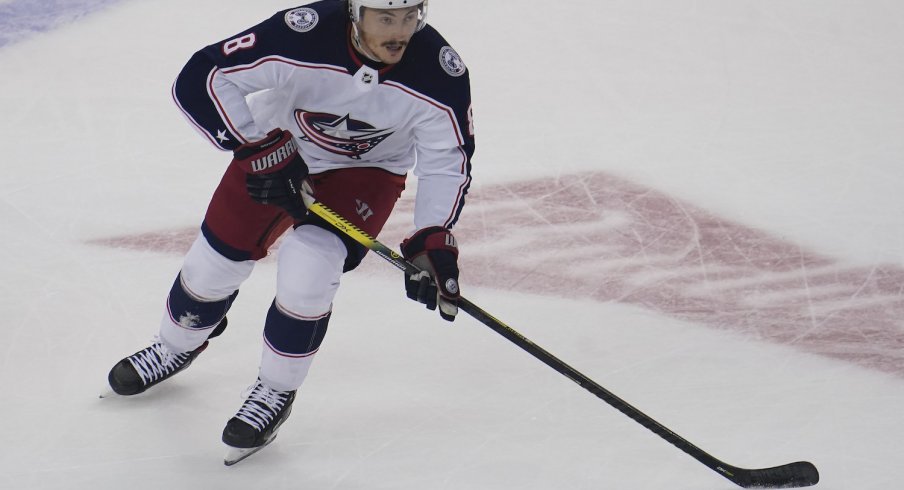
x=151, y=365
x=256, y=423
x=148, y=367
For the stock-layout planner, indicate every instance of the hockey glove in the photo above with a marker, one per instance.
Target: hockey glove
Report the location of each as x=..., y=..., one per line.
x=275, y=171
x=434, y=251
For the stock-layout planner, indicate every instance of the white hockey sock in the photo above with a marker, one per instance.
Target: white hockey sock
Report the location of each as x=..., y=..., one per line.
x=284, y=373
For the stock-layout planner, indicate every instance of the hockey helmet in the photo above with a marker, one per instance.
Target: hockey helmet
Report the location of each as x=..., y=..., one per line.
x=355, y=7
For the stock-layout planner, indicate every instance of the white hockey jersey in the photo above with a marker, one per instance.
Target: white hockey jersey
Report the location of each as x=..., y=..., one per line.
x=298, y=71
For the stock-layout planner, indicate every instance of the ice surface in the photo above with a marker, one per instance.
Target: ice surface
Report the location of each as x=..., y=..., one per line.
x=697, y=204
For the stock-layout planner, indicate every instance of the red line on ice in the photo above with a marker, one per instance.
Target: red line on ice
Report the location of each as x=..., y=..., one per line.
x=600, y=237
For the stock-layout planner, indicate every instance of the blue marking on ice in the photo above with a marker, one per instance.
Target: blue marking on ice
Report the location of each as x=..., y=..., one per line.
x=21, y=19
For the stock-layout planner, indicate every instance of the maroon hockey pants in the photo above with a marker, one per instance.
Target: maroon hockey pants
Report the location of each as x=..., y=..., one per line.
x=241, y=229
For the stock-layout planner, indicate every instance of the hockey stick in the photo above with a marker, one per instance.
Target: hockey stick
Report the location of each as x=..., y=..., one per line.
x=792, y=475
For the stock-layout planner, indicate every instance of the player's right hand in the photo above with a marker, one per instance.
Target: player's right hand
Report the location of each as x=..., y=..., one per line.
x=435, y=252
x=275, y=171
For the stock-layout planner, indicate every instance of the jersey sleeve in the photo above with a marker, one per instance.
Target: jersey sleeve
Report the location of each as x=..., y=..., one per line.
x=445, y=146
x=442, y=188
x=212, y=87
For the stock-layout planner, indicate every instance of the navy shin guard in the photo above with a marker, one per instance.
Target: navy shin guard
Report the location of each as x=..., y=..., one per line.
x=294, y=336
x=190, y=312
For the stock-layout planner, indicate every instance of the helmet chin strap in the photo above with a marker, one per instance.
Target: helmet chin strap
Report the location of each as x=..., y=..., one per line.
x=356, y=41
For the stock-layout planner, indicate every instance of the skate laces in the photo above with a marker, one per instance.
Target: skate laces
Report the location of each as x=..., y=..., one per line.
x=157, y=361
x=262, y=405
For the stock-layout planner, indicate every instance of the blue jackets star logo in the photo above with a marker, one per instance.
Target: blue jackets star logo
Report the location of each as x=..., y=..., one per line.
x=340, y=134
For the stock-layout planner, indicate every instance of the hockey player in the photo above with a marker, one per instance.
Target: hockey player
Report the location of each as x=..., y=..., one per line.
x=338, y=99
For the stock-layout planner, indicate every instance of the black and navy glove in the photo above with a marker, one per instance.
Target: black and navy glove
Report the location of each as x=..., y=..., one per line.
x=435, y=252
x=275, y=172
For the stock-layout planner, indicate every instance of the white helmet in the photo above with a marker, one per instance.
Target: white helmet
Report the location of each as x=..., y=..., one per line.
x=355, y=6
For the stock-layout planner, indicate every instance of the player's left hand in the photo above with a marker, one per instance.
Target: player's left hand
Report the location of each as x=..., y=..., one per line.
x=435, y=252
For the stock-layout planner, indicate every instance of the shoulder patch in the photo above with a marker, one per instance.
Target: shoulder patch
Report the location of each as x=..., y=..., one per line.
x=302, y=19
x=451, y=62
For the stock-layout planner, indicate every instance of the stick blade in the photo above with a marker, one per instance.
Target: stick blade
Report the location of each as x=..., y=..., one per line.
x=792, y=475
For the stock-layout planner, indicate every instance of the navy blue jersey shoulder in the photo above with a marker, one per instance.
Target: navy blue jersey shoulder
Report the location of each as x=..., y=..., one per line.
x=315, y=33
x=431, y=67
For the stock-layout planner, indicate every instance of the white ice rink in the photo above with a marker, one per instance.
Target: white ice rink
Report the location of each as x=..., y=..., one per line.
x=697, y=203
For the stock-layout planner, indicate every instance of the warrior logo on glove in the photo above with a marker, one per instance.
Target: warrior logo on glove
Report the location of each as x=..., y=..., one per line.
x=275, y=171
x=274, y=158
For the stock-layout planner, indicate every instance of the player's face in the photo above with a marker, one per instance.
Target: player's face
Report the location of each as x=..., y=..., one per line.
x=386, y=32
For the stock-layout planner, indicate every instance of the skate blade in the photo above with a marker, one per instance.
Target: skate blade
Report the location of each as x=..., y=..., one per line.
x=236, y=454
